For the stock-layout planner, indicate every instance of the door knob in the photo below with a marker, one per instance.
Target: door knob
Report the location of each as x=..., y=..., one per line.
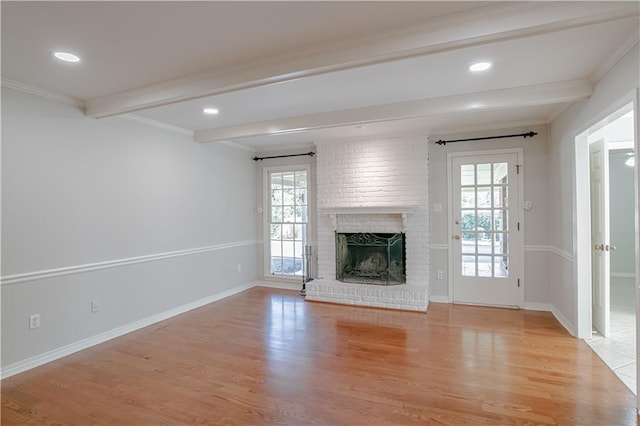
x=457, y=237
x=599, y=247
x=609, y=247
x=457, y=222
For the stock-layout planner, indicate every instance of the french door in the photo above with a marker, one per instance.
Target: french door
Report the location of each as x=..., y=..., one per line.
x=286, y=220
x=486, y=237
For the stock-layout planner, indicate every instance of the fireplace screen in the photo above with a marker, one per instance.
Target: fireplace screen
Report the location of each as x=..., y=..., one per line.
x=370, y=258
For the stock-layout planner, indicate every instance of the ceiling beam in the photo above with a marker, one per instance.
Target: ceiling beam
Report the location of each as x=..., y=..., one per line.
x=504, y=21
x=542, y=94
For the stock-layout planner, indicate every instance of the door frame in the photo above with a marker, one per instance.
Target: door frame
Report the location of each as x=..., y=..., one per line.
x=582, y=221
x=582, y=224
x=519, y=152
x=266, y=209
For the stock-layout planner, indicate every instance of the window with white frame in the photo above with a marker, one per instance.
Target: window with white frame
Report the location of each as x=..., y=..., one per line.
x=286, y=220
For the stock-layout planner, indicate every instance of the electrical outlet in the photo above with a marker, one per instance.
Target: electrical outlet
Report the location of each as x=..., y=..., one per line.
x=34, y=321
x=95, y=307
x=439, y=275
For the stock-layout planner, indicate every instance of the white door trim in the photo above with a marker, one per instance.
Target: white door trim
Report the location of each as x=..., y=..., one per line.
x=266, y=209
x=582, y=250
x=450, y=231
x=582, y=221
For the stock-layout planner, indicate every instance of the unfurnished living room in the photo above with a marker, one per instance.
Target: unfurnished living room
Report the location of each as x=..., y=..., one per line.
x=327, y=213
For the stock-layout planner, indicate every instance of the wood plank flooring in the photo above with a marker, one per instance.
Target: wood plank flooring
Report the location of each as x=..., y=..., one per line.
x=267, y=357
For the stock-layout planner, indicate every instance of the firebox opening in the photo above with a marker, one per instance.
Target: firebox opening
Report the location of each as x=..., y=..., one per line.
x=371, y=258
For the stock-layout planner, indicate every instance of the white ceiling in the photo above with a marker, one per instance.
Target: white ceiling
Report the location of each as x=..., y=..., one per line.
x=291, y=73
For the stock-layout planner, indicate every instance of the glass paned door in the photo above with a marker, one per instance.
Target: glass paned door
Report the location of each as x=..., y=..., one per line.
x=485, y=227
x=484, y=209
x=287, y=221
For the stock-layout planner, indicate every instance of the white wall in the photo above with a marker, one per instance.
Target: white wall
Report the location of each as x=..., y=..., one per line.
x=617, y=84
x=536, y=221
x=173, y=219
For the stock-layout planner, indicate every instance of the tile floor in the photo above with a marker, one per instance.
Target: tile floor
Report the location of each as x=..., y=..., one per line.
x=618, y=351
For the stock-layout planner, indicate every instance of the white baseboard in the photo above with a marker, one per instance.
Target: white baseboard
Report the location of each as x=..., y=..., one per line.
x=529, y=306
x=52, y=355
x=564, y=321
x=534, y=306
x=439, y=299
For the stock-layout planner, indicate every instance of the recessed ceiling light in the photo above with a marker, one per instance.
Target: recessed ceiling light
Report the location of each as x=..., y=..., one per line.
x=66, y=57
x=480, y=66
x=211, y=111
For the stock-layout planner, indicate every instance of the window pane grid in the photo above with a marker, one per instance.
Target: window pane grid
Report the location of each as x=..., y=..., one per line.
x=287, y=221
x=484, y=215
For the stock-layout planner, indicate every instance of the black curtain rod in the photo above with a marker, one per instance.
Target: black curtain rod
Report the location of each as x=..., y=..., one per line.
x=310, y=154
x=524, y=135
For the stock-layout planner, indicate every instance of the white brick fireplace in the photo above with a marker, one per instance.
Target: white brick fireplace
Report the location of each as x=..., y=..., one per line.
x=378, y=186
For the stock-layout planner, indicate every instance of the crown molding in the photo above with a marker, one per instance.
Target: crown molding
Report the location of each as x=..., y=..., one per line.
x=549, y=93
x=505, y=21
x=159, y=124
x=237, y=145
x=604, y=67
x=43, y=93
x=181, y=130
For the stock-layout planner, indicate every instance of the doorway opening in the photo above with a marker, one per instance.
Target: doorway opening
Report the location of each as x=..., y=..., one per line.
x=608, y=151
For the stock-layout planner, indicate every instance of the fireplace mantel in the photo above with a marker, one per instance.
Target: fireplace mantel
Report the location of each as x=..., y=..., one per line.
x=334, y=212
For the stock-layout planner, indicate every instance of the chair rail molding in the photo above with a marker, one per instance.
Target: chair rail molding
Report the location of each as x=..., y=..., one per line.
x=88, y=267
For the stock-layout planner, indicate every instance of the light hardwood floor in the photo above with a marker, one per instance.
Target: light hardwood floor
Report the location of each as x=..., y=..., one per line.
x=267, y=357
